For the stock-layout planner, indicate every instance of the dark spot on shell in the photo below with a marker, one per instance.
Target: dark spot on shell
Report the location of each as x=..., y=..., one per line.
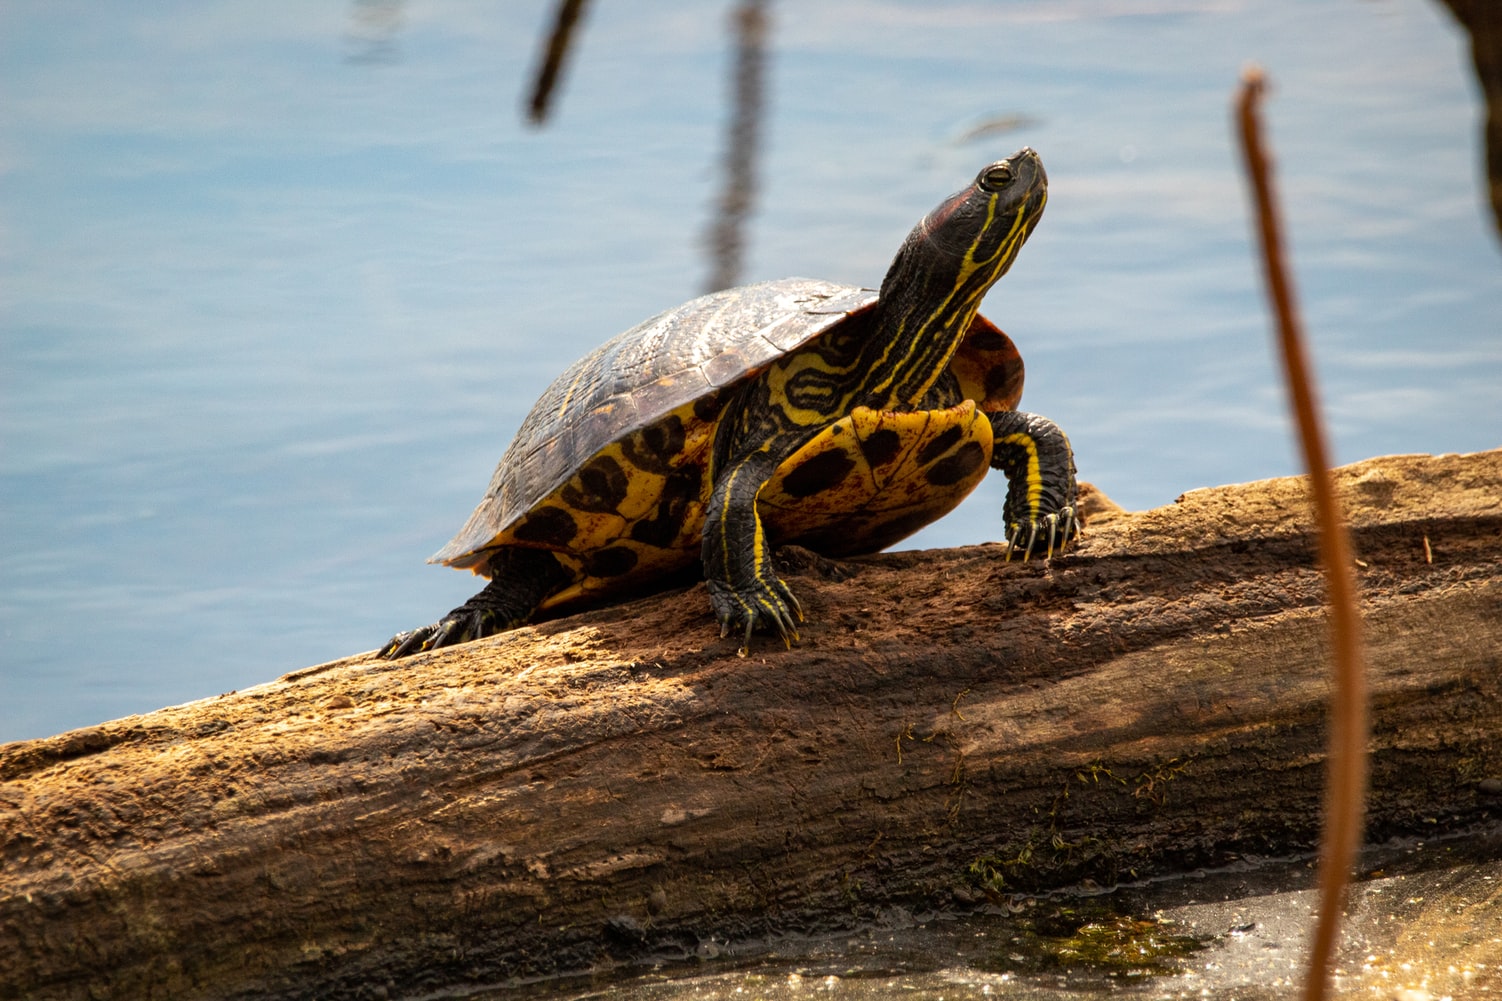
x=881, y=447
x=952, y=469
x=667, y=521
x=986, y=340
x=707, y=407
x=943, y=443
x=1000, y=381
x=653, y=448
x=550, y=526
x=600, y=486
x=819, y=473
x=612, y=561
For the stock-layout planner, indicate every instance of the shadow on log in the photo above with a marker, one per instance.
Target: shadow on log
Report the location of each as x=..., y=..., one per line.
x=616, y=784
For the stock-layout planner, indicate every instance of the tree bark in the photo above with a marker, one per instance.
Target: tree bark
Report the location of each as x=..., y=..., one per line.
x=951, y=729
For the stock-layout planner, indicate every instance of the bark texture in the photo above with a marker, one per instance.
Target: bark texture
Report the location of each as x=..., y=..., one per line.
x=952, y=728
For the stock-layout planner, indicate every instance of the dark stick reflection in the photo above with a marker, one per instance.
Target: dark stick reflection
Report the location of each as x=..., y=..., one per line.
x=567, y=17
x=726, y=234
x=1483, y=19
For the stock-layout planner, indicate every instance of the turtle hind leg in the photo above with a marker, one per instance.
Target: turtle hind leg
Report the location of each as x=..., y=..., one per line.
x=1040, y=509
x=520, y=580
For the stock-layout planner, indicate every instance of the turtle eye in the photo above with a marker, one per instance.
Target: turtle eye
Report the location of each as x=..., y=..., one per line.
x=996, y=176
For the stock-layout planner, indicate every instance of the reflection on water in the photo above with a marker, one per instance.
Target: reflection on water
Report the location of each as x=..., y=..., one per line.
x=1426, y=924
x=556, y=49
x=280, y=282
x=727, y=232
x=374, y=27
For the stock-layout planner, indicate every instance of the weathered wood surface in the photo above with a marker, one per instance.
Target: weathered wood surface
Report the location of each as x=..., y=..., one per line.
x=952, y=727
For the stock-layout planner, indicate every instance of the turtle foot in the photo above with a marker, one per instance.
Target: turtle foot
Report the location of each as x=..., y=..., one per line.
x=767, y=603
x=1043, y=536
x=459, y=626
x=521, y=579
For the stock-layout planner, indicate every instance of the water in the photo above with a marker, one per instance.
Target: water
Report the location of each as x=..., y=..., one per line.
x=1425, y=924
x=279, y=281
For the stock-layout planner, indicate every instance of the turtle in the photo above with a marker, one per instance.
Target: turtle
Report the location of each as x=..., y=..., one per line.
x=795, y=411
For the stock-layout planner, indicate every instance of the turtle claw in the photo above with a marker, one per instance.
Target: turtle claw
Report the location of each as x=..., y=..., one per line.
x=1061, y=527
x=745, y=647
x=407, y=643
x=459, y=626
x=766, y=603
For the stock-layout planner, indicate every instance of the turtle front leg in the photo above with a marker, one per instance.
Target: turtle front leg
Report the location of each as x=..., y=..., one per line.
x=744, y=590
x=1034, y=453
x=520, y=580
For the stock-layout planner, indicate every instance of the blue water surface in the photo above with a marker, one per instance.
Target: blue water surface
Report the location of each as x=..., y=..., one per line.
x=279, y=281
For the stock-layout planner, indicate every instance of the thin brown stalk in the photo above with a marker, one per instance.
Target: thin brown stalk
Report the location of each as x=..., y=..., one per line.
x=550, y=66
x=1346, y=769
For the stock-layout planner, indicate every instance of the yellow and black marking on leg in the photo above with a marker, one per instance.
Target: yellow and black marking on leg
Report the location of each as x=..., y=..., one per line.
x=744, y=589
x=875, y=477
x=1034, y=453
x=792, y=402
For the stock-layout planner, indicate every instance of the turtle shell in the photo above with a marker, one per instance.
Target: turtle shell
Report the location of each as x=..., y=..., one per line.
x=655, y=394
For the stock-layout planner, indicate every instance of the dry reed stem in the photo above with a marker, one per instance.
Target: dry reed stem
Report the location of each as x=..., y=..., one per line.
x=1346, y=767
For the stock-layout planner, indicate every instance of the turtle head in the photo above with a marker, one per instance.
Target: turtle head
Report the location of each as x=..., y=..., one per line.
x=963, y=246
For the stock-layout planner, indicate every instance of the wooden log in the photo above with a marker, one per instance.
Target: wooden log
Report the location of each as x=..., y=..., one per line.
x=952, y=728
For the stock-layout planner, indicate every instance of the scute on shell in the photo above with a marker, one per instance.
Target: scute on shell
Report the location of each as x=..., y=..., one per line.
x=640, y=376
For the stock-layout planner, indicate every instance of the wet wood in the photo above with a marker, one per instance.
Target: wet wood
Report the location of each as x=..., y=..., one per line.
x=951, y=730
